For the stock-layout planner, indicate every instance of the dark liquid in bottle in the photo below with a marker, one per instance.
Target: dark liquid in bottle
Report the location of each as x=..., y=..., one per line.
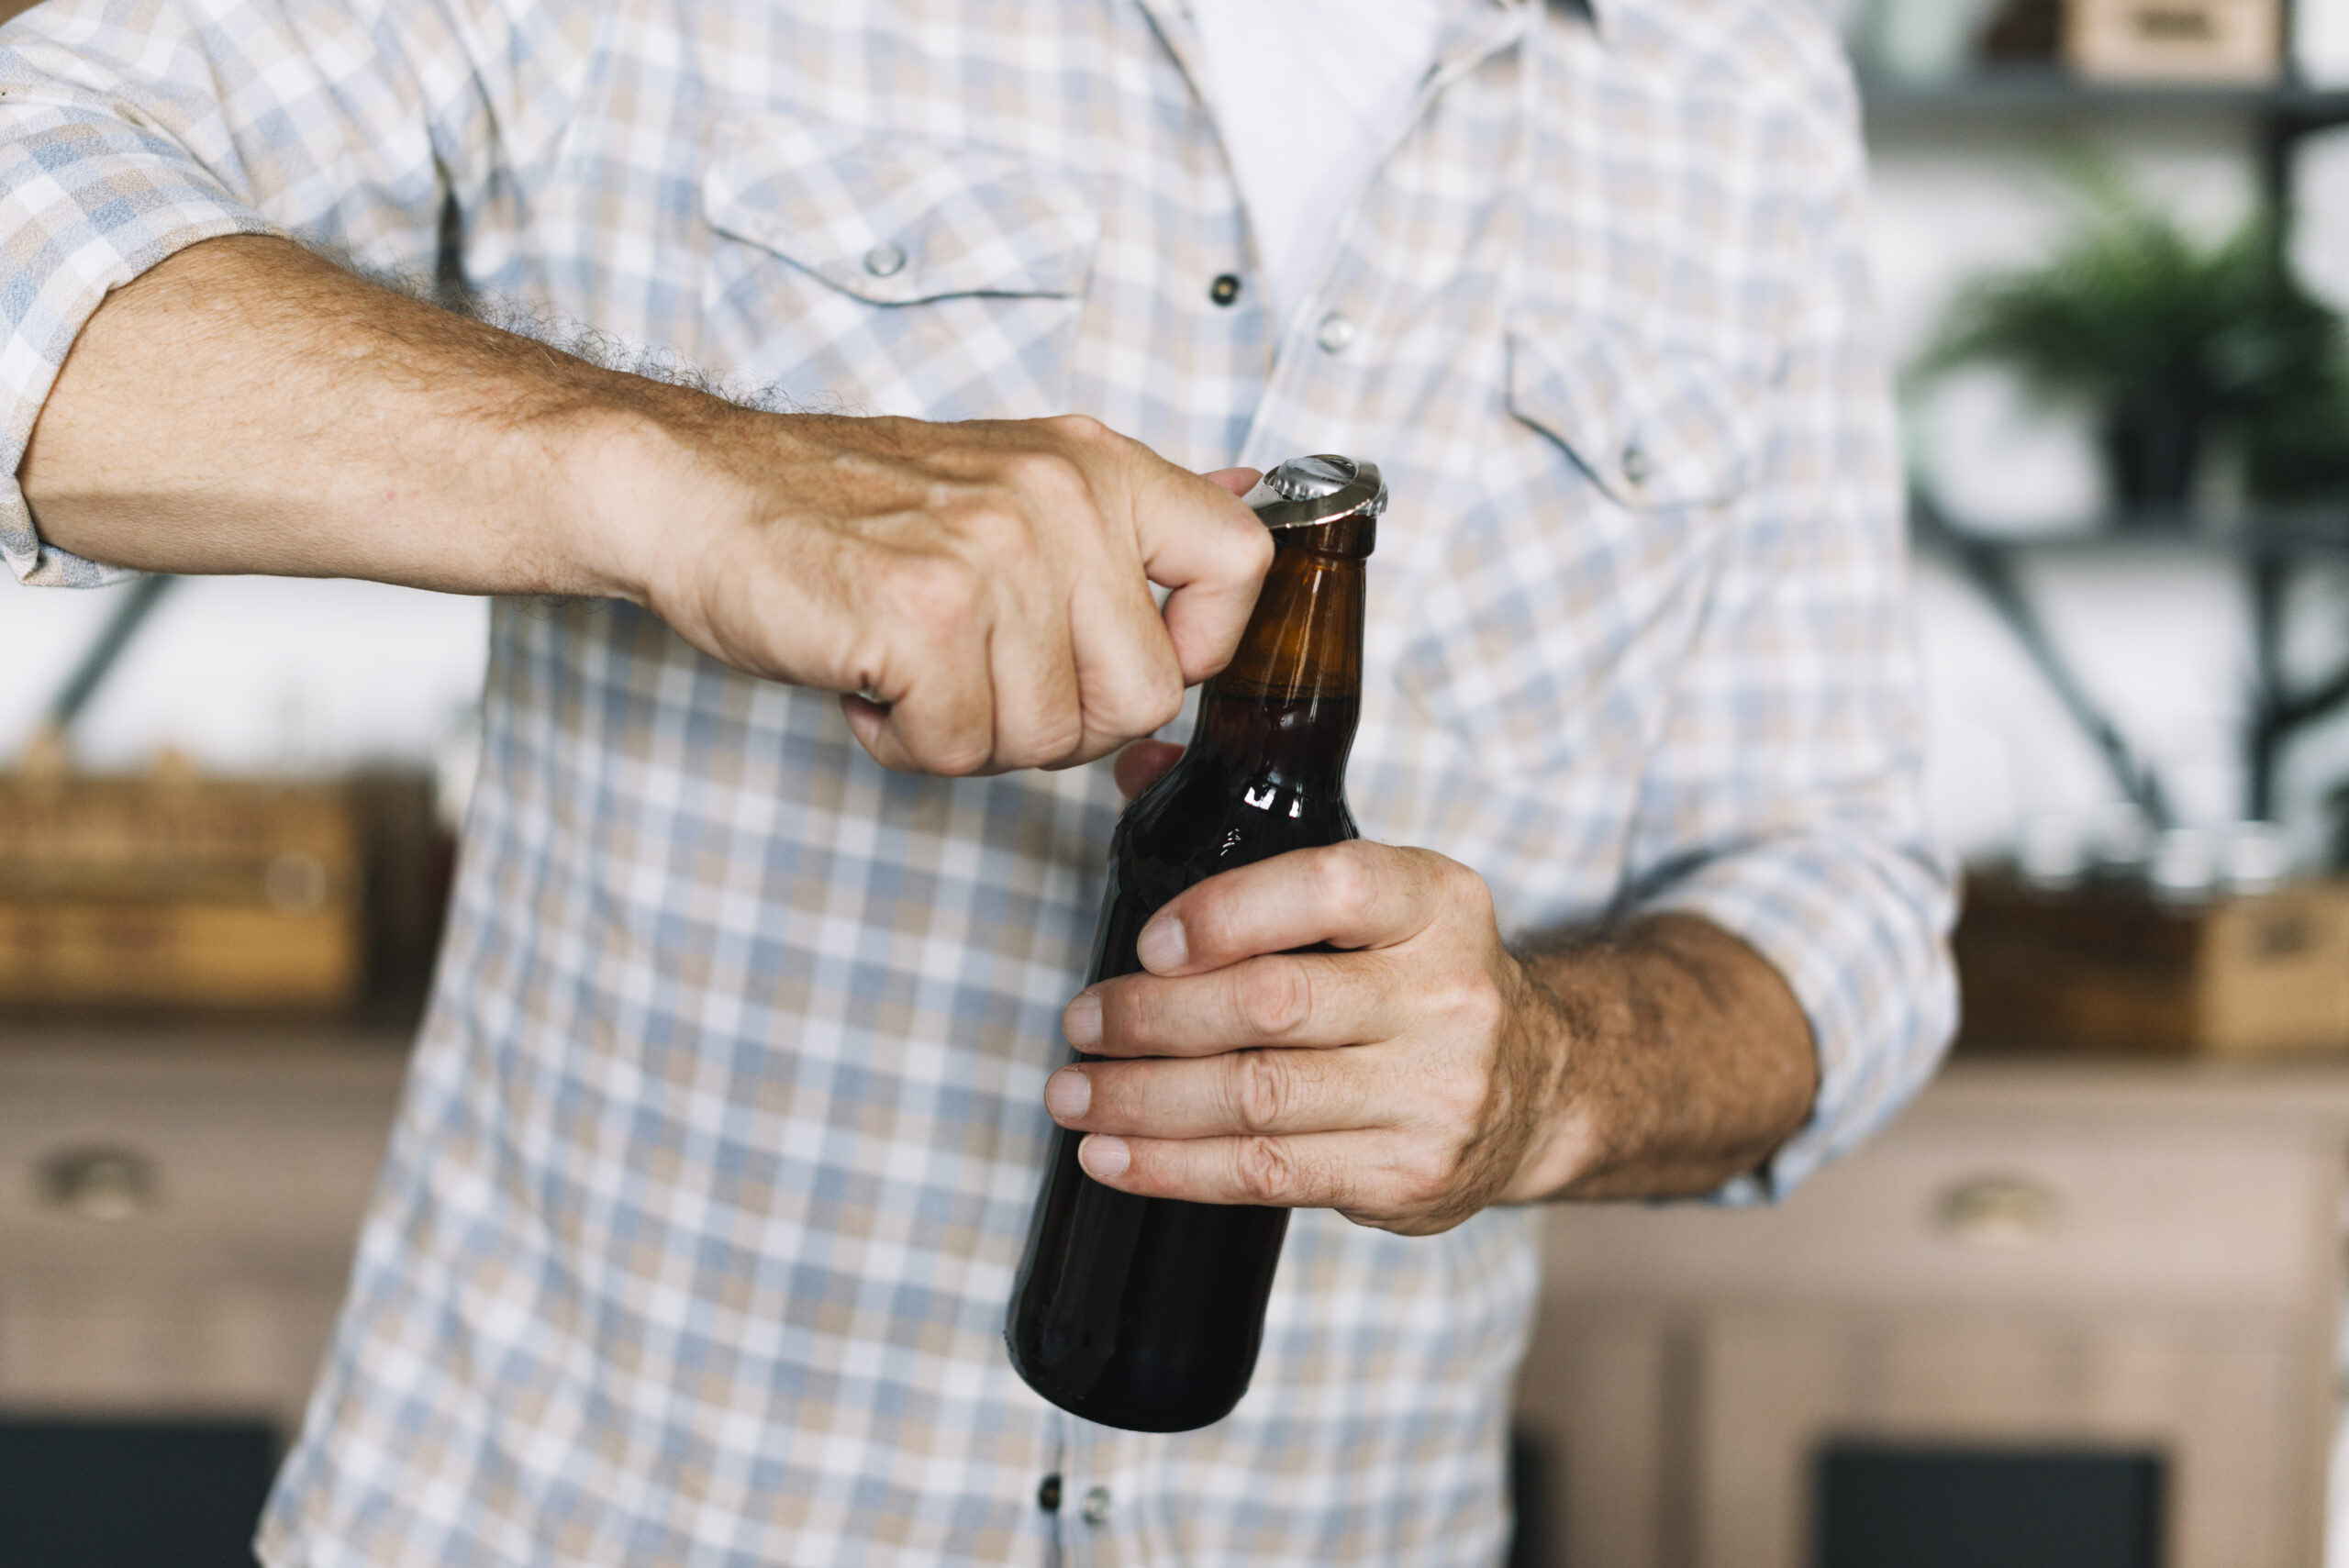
x=1147, y=1313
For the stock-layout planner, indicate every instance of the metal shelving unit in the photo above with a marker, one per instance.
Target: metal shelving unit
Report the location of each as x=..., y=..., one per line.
x=2270, y=546
x=2052, y=93
x=2280, y=113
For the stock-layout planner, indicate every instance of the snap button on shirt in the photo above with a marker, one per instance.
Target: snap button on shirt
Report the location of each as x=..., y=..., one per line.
x=1336, y=333
x=884, y=261
x=1096, y=1506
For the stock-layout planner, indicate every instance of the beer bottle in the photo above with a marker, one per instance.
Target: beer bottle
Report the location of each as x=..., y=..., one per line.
x=1146, y=1312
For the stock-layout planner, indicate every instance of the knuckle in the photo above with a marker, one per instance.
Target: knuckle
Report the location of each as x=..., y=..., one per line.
x=958, y=757
x=1466, y=888
x=1443, y=1087
x=1145, y=703
x=1165, y=701
x=1345, y=876
x=936, y=592
x=1459, y=1099
x=1426, y=1176
x=1037, y=471
x=1253, y=541
x=1266, y=1171
x=1276, y=995
x=1052, y=737
x=1081, y=430
x=1263, y=1091
x=1474, y=999
x=995, y=530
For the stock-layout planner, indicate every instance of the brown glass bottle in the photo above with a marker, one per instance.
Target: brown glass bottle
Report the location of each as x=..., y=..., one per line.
x=1147, y=1313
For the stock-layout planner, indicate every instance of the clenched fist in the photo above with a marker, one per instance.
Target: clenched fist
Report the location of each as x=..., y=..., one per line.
x=979, y=592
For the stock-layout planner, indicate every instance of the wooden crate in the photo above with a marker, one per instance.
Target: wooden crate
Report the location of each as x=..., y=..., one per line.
x=2174, y=41
x=2115, y=971
x=175, y=890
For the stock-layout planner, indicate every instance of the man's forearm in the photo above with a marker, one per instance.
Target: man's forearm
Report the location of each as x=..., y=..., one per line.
x=979, y=592
x=1682, y=1060
x=245, y=406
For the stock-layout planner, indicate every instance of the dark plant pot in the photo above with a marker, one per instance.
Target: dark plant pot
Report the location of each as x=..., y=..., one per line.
x=2152, y=446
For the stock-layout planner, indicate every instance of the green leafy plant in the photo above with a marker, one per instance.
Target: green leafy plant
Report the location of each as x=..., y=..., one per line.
x=2166, y=337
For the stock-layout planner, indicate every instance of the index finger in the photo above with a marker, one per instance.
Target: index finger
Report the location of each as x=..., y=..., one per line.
x=1197, y=538
x=1355, y=894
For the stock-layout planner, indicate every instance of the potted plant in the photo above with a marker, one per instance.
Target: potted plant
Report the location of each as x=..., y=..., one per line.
x=2165, y=338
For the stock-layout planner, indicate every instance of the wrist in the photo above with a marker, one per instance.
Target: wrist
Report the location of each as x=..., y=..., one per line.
x=1568, y=1139
x=631, y=474
x=1684, y=1062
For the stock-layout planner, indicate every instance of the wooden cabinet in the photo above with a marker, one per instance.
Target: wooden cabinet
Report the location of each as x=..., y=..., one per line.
x=2143, y=1259
x=177, y=1218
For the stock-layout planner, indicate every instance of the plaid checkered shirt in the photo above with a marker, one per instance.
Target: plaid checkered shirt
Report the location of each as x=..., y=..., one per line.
x=720, y=1145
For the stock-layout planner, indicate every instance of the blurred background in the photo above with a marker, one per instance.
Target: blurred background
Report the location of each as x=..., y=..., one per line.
x=2081, y=1307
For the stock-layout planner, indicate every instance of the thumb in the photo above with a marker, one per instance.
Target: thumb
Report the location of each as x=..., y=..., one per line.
x=1142, y=764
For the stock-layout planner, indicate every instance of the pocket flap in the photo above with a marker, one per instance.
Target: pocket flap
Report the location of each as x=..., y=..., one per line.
x=1653, y=428
x=897, y=219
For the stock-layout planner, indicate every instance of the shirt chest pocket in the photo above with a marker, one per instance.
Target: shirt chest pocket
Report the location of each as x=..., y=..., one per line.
x=892, y=274
x=1557, y=608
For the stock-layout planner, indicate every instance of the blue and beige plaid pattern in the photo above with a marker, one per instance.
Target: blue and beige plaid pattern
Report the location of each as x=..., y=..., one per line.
x=695, y=1239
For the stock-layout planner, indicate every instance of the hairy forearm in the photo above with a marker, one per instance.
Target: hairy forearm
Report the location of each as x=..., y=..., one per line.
x=1680, y=1061
x=245, y=406
x=978, y=591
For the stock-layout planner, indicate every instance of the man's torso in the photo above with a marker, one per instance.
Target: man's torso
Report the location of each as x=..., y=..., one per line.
x=720, y=1144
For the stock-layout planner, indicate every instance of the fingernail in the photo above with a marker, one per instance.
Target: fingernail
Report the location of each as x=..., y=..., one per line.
x=1161, y=945
x=1067, y=1093
x=1104, y=1157
x=1082, y=1021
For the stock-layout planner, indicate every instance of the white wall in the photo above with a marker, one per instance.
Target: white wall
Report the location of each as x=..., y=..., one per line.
x=252, y=673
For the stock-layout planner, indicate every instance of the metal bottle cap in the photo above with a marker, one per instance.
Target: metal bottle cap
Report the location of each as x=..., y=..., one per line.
x=1320, y=489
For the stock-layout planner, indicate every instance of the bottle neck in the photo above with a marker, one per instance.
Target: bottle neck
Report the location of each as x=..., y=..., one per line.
x=1288, y=702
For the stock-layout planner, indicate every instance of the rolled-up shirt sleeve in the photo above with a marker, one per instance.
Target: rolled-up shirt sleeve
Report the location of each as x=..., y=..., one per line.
x=1785, y=801
x=130, y=129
